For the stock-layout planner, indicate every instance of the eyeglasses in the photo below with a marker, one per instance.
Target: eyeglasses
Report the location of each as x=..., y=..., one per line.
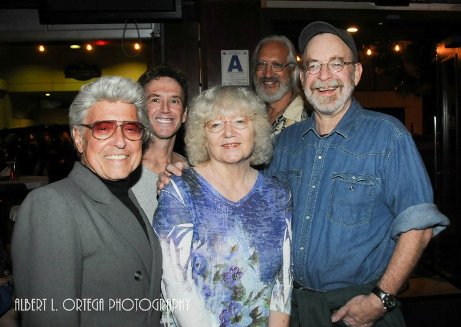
x=103, y=129
x=276, y=67
x=335, y=65
x=217, y=125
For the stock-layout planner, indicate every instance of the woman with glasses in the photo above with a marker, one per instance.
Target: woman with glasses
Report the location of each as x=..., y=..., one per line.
x=83, y=246
x=224, y=227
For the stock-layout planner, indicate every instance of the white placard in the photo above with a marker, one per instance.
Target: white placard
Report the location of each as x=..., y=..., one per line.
x=235, y=67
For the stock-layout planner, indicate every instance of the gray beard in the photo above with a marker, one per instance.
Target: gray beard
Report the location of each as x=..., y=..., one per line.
x=271, y=98
x=332, y=104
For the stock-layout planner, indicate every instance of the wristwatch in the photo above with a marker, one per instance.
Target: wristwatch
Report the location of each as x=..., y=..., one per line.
x=389, y=301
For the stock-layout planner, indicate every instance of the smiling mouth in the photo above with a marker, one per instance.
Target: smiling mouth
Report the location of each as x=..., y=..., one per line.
x=117, y=157
x=164, y=120
x=231, y=145
x=269, y=82
x=328, y=88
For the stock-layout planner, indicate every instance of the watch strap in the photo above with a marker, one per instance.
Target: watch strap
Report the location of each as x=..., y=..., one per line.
x=388, y=300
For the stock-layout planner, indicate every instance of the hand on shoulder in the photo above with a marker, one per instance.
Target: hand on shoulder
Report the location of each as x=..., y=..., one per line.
x=171, y=169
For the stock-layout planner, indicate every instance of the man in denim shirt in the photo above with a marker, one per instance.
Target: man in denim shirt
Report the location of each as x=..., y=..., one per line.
x=363, y=203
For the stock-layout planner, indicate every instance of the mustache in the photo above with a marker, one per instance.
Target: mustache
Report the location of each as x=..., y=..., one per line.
x=269, y=79
x=327, y=84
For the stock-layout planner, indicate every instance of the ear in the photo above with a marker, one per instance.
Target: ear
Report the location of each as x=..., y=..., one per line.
x=184, y=116
x=78, y=139
x=302, y=77
x=357, y=73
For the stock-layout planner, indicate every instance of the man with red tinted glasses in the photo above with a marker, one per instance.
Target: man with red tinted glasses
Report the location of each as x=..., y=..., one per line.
x=83, y=251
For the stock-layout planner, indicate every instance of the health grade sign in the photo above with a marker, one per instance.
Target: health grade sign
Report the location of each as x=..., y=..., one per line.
x=235, y=67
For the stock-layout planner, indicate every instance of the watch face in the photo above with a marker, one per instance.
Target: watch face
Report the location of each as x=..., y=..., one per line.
x=388, y=301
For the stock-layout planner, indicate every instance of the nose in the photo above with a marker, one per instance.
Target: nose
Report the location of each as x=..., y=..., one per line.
x=228, y=129
x=165, y=107
x=324, y=73
x=118, y=138
x=268, y=71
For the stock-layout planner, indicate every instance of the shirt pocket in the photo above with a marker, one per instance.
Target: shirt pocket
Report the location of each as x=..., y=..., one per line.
x=351, y=199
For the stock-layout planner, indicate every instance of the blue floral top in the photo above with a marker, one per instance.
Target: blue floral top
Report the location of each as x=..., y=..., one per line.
x=229, y=261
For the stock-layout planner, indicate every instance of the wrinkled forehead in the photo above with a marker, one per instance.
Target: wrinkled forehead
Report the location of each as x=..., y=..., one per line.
x=326, y=46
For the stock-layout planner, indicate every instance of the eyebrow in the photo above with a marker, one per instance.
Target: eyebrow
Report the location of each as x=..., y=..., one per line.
x=269, y=62
x=331, y=58
x=157, y=95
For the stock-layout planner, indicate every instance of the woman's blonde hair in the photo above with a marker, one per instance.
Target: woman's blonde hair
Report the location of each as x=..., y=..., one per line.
x=227, y=100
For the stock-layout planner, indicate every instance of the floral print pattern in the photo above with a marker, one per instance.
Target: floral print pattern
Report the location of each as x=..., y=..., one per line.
x=231, y=260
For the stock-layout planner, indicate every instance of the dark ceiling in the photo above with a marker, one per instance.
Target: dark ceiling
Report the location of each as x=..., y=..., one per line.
x=398, y=22
x=19, y=4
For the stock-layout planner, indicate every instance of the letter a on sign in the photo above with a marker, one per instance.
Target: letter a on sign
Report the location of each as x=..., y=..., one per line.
x=234, y=67
x=235, y=64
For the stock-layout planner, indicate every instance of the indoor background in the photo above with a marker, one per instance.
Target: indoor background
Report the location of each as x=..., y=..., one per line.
x=409, y=49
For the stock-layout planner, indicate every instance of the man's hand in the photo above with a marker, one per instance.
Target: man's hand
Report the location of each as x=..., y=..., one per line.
x=171, y=169
x=360, y=311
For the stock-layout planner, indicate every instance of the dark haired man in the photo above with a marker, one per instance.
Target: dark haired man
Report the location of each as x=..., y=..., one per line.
x=165, y=88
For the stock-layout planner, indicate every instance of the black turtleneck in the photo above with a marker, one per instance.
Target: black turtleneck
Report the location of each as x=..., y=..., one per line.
x=120, y=189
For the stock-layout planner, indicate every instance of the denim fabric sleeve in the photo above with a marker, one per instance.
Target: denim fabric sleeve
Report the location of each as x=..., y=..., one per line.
x=272, y=169
x=421, y=216
x=408, y=189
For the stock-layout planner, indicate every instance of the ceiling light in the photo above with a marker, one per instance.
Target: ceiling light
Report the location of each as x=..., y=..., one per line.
x=101, y=43
x=352, y=29
x=75, y=46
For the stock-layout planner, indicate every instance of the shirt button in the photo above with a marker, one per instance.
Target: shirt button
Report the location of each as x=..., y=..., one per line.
x=313, y=186
x=302, y=248
x=308, y=217
x=320, y=157
x=138, y=275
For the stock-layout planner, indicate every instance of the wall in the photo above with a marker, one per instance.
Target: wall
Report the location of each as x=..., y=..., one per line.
x=23, y=69
x=226, y=25
x=411, y=105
